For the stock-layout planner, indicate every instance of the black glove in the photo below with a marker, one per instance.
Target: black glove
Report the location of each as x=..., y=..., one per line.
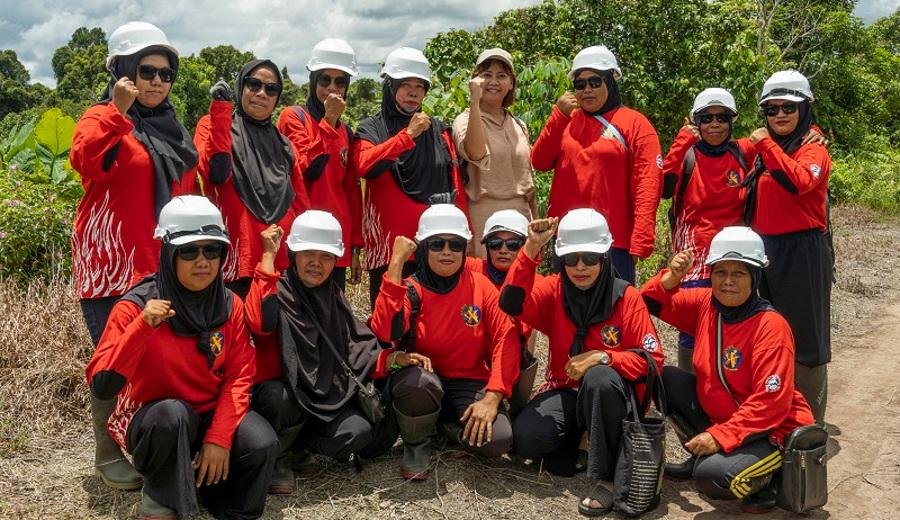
x=221, y=91
x=443, y=198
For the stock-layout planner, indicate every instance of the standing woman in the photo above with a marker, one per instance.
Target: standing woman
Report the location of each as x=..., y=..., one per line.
x=788, y=206
x=249, y=170
x=323, y=142
x=494, y=144
x=605, y=156
x=407, y=159
x=133, y=155
x=591, y=318
x=178, y=357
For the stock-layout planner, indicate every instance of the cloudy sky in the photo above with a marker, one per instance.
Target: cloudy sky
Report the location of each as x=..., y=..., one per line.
x=282, y=30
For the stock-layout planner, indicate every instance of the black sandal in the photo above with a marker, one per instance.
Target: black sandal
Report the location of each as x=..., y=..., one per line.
x=602, y=496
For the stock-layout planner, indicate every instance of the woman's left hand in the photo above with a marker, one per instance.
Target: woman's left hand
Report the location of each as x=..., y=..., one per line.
x=211, y=464
x=578, y=365
x=479, y=418
x=758, y=135
x=703, y=444
x=407, y=359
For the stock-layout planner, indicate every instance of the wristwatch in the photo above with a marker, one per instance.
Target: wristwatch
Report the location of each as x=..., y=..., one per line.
x=604, y=358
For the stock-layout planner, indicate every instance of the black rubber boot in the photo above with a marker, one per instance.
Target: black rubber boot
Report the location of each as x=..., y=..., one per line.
x=762, y=501
x=681, y=470
x=109, y=462
x=282, y=482
x=153, y=510
x=416, y=433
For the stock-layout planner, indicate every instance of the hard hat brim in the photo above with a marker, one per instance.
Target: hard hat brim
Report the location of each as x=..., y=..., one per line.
x=136, y=49
x=786, y=97
x=497, y=229
x=187, y=239
x=748, y=261
x=322, y=66
x=434, y=232
x=295, y=246
x=582, y=248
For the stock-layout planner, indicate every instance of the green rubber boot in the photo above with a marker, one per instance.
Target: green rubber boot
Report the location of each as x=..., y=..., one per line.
x=109, y=462
x=416, y=433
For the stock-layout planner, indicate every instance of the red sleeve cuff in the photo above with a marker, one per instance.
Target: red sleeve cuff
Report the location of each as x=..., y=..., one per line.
x=391, y=289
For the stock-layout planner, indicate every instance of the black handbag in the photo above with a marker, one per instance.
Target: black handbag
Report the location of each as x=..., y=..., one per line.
x=804, y=472
x=637, y=484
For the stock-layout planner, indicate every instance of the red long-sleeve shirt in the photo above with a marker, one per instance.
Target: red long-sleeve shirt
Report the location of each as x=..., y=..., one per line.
x=112, y=240
x=628, y=328
x=779, y=211
x=159, y=364
x=263, y=327
x=387, y=211
x=712, y=199
x=593, y=170
x=480, y=265
x=323, y=154
x=463, y=332
x=213, y=137
x=757, y=362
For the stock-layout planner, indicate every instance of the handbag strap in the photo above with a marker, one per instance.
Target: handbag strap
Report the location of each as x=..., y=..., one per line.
x=337, y=354
x=654, y=388
x=719, y=358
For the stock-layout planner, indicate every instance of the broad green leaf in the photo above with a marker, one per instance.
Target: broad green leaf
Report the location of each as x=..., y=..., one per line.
x=55, y=131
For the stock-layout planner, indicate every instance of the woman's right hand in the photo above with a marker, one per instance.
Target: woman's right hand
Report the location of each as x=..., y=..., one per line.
x=403, y=248
x=418, y=123
x=476, y=87
x=271, y=238
x=567, y=103
x=691, y=128
x=540, y=231
x=157, y=311
x=124, y=93
x=679, y=266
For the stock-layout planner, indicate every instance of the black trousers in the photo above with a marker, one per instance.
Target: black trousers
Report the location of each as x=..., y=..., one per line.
x=164, y=436
x=550, y=425
x=339, y=275
x=96, y=312
x=349, y=432
x=724, y=476
x=415, y=392
x=375, y=276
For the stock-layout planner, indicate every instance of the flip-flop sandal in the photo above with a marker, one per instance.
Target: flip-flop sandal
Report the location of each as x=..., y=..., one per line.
x=602, y=496
x=581, y=461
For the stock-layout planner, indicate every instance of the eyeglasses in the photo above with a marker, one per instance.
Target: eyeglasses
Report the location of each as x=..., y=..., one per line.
x=324, y=80
x=457, y=245
x=593, y=81
x=148, y=72
x=254, y=85
x=787, y=108
x=589, y=259
x=722, y=117
x=513, y=244
x=191, y=252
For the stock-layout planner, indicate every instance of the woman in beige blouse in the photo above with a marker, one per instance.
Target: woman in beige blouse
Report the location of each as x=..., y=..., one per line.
x=495, y=146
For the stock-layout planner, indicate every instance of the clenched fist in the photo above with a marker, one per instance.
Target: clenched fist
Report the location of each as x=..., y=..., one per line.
x=418, y=123
x=567, y=103
x=157, y=311
x=124, y=93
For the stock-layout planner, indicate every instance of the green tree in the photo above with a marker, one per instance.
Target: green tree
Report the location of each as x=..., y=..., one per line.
x=190, y=92
x=226, y=61
x=80, y=66
x=16, y=94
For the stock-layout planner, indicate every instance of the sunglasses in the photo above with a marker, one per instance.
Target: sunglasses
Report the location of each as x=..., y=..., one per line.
x=148, y=72
x=457, y=245
x=513, y=244
x=589, y=259
x=723, y=117
x=593, y=81
x=787, y=108
x=255, y=85
x=191, y=252
x=324, y=80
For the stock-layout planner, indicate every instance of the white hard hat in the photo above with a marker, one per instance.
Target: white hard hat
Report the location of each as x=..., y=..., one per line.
x=333, y=53
x=597, y=57
x=443, y=219
x=506, y=220
x=714, y=97
x=190, y=218
x=134, y=37
x=406, y=62
x=316, y=230
x=737, y=243
x=789, y=85
x=583, y=230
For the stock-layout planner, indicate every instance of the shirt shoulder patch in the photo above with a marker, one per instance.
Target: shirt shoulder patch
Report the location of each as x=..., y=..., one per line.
x=773, y=383
x=650, y=343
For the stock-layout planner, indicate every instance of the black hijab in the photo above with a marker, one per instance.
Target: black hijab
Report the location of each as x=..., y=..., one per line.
x=613, y=99
x=755, y=303
x=428, y=279
x=314, y=373
x=708, y=149
x=424, y=170
x=262, y=158
x=591, y=306
x=197, y=313
x=789, y=143
x=169, y=144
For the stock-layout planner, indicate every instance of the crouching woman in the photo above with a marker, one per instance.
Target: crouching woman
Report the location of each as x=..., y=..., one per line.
x=177, y=354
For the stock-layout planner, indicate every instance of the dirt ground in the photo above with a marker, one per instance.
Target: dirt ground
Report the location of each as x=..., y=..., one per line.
x=53, y=477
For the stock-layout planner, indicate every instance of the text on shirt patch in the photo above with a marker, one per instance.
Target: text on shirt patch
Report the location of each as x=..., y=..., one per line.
x=649, y=343
x=611, y=335
x=816, y=170
x=773, y=383
x=471, y=314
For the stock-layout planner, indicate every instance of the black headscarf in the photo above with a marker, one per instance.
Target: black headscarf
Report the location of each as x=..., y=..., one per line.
x=592, y=306
x=613, y=100
x=708, y=149
x=262, y=159
x=424, y=170
x=315, y=375
x=755, y=303
x=197, y=313
x=315, y=107
x=428, y=279
x=169, y=144
x=789, y=143
x=495, y=275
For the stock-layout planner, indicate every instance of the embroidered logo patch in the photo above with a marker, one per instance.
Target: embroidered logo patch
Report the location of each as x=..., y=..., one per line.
x=733, y=179
x=216, y=342
x=649, y=343
x=659, y=161
x=816, y=170
x=773, y=383
x=471, y=314
x=611, y=335
x=732, y=358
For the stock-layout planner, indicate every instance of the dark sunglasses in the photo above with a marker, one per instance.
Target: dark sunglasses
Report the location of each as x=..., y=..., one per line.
x=148, y=72
x=589, y=259
x=723, y=117
x=324, y=80
x=593, y=81
x=787, y=108
x=457, y=245
x=254, y=85
x=513, y=244
x=191, y=252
